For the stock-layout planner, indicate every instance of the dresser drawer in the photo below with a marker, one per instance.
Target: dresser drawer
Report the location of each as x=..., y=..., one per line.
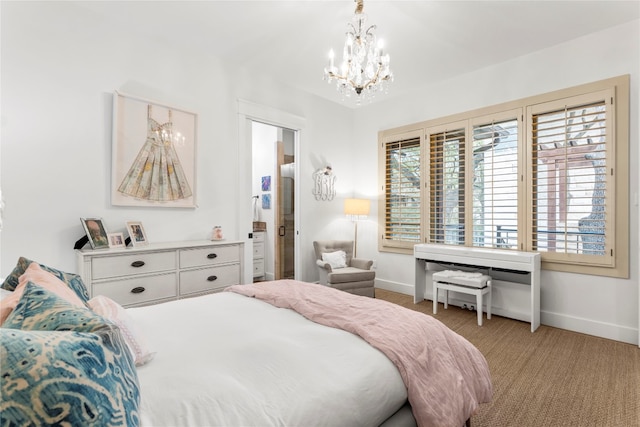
x=258, y=267
x=158, y=287
x=209, y=256
x=127, y=265
x=209, y=279
x=258, y=250
x=258, y=236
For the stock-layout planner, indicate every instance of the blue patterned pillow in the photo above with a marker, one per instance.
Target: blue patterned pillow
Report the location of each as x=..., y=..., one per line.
x=72, y=280
x=67, y=378
x=42, y=310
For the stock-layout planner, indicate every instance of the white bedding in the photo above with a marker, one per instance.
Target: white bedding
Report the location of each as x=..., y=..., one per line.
x=229, y=360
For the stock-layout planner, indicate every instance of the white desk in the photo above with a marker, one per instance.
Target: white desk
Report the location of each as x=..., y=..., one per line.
x=525, y=263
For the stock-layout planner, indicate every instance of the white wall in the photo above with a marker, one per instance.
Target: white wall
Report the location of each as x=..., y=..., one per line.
x=60, y=65
x=596, y=305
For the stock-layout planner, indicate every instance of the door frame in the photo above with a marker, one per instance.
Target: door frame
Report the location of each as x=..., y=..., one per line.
x=249, y=112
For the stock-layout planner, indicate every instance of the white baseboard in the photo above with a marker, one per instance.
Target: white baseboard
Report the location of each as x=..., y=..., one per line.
x=400, y=288
x=571, y=323
x=590, y=327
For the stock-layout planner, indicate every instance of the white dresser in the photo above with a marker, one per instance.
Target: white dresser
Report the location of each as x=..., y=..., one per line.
x=258, y=254
x=162, y=271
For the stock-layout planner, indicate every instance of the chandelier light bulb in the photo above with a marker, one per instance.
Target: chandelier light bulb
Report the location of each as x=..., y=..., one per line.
x=364, y=68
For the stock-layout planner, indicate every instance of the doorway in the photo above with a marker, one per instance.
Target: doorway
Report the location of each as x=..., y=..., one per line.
x=273, y=186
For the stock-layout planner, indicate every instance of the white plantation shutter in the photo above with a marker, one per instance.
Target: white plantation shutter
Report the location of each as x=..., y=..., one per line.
x=572, y=155
x=447, y=185
x=495, y=158
x=402, y=190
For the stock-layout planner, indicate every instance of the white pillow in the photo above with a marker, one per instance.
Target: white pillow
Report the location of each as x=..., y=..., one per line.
x=5, y=293
x=336, y=259
x=108, y=308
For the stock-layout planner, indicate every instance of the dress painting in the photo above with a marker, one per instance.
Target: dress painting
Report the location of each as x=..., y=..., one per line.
x=156, y=174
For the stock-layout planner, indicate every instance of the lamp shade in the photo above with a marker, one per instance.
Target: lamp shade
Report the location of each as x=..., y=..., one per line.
x=357, y=207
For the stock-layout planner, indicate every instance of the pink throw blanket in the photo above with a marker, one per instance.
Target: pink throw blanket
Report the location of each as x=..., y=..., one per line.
x=445, y=375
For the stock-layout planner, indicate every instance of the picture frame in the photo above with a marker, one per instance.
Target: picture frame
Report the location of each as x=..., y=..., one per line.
x=266, y=201
x=266, y=183
x=116, y=240
x=137, y=233
x=96, y=232
x=154, y=152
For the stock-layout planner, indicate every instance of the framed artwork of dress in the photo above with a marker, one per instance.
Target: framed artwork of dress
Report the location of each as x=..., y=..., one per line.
x=153, y=154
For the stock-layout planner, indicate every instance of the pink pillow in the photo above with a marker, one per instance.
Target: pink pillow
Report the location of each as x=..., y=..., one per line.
x=36, y=275
x=111, y=310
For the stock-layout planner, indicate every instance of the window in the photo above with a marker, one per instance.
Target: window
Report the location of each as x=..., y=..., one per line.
x=495, y=181
x=545, y=174
x=572, y=154
x=402, y=190
x=447, y=186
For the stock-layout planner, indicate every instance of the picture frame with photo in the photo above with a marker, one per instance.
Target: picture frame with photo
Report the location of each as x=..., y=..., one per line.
x=137, y=233
x=116, y=240
x=96, y=232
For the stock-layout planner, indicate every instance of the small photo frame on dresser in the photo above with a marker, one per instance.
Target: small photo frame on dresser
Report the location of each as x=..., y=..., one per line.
x=96, y=232
x=116, y=240
x=136, y=233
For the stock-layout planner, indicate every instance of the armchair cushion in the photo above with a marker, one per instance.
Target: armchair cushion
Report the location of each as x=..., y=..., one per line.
x=337, y=259
x=350, y=274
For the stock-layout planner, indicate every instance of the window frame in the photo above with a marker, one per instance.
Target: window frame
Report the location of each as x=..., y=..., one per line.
x=617, y=152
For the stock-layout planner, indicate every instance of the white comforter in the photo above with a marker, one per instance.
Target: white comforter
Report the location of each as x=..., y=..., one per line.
x=228, y=360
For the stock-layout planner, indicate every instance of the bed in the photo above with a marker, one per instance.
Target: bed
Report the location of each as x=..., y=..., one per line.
x=254, y=344
x=281, y=353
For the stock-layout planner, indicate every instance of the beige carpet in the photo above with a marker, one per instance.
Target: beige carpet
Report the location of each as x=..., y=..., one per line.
x=551, y=377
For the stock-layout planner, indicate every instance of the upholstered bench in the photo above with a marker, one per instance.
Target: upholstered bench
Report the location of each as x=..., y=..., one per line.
x=473, y=283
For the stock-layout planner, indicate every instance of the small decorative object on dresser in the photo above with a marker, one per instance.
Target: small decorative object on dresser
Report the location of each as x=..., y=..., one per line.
x=116, y=240
x=96, y=232
x=136, y=233
x=217, y=233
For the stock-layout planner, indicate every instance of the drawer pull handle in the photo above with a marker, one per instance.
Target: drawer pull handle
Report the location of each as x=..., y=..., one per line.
x=137, y=264
x=212, y=256
x=212, y=278
x=137, y=290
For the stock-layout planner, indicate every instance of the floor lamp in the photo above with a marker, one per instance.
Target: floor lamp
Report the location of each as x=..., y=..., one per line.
x=356, y=209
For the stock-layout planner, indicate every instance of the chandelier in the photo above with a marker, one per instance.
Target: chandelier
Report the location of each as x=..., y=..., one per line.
x=364, y=69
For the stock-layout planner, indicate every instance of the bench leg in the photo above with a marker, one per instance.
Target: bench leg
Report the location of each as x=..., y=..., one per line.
x=446, y=298
x=479, y=307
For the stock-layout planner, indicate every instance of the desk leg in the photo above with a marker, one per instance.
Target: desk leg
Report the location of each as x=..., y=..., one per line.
x=420, y=285
x=479, y=306
x=489, y=299
x=435, y=298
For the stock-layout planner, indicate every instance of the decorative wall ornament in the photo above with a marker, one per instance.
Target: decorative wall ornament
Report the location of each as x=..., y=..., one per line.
x=324, y=184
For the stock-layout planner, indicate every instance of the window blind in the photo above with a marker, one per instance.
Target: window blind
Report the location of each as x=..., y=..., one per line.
x=446, y=186
x=402, y=188
x=571, y=148
x=495, y=184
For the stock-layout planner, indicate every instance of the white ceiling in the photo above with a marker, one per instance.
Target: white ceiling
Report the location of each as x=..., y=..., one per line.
x=428, y=41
